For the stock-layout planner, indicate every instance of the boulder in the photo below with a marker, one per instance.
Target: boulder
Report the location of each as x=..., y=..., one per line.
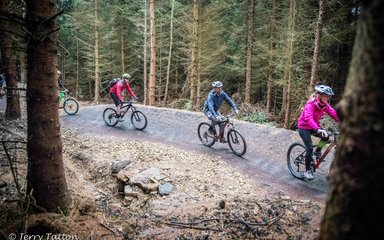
x=145, y=176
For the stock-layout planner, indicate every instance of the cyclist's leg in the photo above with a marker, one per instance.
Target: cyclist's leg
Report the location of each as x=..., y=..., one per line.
x=117, y=102
x=221, y=124
x=306, y=137
x=321, y=144
x=209, y=115
x=60, y=98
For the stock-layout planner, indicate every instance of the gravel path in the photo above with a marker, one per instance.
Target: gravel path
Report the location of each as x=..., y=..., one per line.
x=265, y=160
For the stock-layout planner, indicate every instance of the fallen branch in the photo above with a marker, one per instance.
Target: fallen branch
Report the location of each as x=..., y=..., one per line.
x=107, y=227
x=192, y=227
x=268, y=223
x=246, y=224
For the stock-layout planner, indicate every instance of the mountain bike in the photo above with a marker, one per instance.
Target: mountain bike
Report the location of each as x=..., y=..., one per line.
x=70, y=105
x=296, y=157
x=208, y=135
x=138, y=119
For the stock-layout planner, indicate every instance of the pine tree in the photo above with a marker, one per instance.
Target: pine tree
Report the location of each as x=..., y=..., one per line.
x=46, y=177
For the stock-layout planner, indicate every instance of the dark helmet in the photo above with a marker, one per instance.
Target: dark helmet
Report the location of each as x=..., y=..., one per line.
x=323, y=89
x=217, y=84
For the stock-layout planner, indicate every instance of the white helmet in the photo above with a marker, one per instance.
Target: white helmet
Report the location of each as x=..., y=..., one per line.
x=217, y=84
x=323, y=89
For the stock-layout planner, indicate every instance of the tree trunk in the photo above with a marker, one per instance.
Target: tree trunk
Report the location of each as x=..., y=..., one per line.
x=122, y=51
x=271, y=58
x=97, y=56
x=77, y=66
x=9, y=66
x=355, y=205
x=23, y=67
x=145, y=55
x=288, y=67
x=159, y=78
x=248, y=68
x=77, y=58
x=152, y=72
x=315, y=63
x=194, y=54
x=63, y=74
x=169, y=55
x=46, y=178
x=198, y=93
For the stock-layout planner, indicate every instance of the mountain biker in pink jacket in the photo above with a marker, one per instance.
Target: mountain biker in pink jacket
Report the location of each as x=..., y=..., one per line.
x=115, y=93
x=309, y=123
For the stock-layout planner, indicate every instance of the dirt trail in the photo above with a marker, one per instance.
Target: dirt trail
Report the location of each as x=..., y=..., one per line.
x=265, y=160
x=221, y=195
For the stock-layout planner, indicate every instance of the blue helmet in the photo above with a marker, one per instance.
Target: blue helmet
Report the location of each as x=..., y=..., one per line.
x=217, y=84
x=323, y=89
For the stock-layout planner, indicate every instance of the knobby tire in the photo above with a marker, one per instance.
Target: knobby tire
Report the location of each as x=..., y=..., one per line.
x=109, y=117
x=71, y=106
x=139, y=120
x=202, y=132
x=236, y=142
x=296, y=160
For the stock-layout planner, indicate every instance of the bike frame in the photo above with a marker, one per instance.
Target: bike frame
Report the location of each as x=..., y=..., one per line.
x=125, y=108
x=325, y=153
x=222, y=128
x=62, y=96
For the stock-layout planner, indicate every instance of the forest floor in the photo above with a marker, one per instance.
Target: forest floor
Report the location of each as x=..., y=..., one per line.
x=208, y=199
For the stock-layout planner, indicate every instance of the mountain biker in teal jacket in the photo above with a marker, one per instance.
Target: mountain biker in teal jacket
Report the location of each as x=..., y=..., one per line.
x=215, y=99
x=309, y=123
x=115, y=93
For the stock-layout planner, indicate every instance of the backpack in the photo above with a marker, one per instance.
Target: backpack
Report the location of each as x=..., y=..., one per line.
x=113, y=82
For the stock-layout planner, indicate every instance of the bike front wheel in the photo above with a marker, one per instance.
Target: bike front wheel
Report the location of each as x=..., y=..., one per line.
x=139, y=120
x=110, y=117
x=296, y=160
x=206, y=136
x=71, y=106
x=236, y=142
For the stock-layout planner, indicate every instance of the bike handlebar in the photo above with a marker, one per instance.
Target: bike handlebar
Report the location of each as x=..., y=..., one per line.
x=133, y=100
x=226, y=118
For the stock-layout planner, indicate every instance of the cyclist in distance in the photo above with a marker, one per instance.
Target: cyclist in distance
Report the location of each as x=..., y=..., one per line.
x=309, y=123
x=115, y=93
x=60, y=84
x=213, y=103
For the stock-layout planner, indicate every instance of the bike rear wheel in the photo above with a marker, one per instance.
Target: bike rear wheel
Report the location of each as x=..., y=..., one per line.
x=71, y=106
x=110, y=117
x=206, y=138
x=236, y=142
x=296, y=160
x=139, y=120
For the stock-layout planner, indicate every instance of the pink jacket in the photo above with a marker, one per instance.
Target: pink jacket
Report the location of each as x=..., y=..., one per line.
x=119, y=87
x=312, y=113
